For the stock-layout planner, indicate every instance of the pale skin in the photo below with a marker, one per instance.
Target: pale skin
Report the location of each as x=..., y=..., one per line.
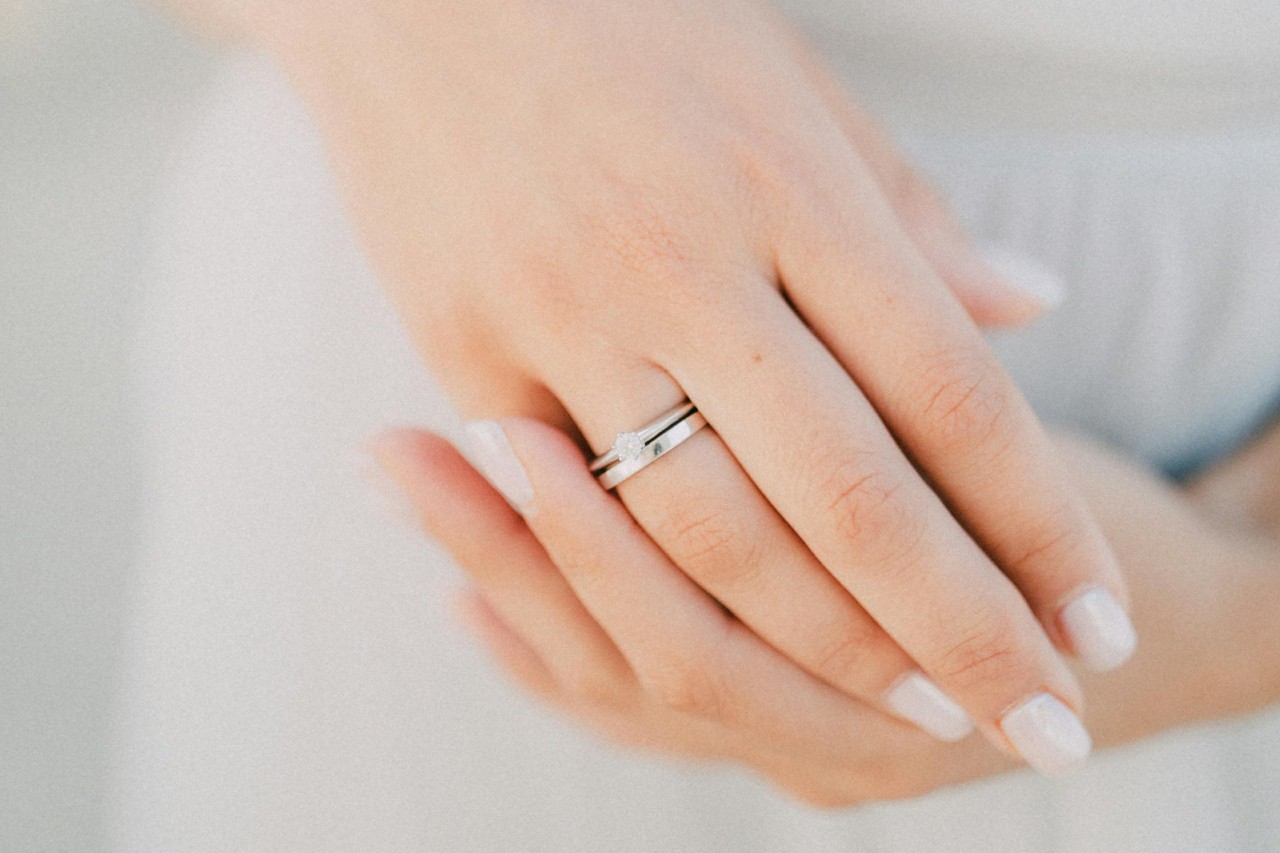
x=603, y=638
x=587, y=211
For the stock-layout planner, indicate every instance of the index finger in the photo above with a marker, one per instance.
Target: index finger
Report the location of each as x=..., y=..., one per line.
x=933, y=380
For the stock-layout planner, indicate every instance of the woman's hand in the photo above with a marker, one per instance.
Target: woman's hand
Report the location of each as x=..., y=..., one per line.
x=587, y=211
x=623, y=642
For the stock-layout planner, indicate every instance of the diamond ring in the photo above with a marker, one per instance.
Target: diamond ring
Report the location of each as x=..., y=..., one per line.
x=633, y=451
x=628, y=445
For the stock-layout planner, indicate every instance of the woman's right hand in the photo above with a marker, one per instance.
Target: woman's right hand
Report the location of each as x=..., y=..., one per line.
x=587, y=211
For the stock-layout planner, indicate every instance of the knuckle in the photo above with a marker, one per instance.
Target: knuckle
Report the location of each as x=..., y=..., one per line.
x=985, y=657
x=1057, y=544
x=865, y=508
x=856, y=497
x=963, y=399
x=846, y=651
x=708, y=541
x=687, y=687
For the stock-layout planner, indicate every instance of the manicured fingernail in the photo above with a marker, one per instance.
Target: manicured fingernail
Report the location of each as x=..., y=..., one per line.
x=1027, y=275
x=1047, y=734
x=492, y=454
x=1100, y=632
x=917, y=699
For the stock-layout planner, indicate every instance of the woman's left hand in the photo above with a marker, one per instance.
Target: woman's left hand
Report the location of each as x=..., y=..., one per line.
x=582, y=610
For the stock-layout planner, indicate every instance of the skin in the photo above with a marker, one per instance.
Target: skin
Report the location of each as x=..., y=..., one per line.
x=1203, y=559
x=585, y=211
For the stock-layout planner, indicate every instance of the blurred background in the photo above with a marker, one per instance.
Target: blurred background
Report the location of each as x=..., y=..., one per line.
x=91, y=95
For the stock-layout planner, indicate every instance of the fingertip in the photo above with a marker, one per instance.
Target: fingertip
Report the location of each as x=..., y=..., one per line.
x=1001, y=287
x=1098, y=628
x=1035, y=288
x=1047, y=733
x=395, y=448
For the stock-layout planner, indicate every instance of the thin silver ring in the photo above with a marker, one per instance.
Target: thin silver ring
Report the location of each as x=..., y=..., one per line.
x=644, y=435
x=675, y=436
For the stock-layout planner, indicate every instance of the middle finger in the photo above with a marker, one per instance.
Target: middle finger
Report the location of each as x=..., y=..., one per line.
x=704, y=512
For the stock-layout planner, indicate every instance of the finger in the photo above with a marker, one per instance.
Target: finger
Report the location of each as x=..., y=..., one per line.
x=835, y=780
x=534, y=624
x=588, y=679
x=826, y=462
x=668, y=733
x=1242, y=492
x=996, y=287
x=950, y=404
x=508, y=649
x=686, y=651
x=491, y=543
x=1000, y=288
x=702, y=510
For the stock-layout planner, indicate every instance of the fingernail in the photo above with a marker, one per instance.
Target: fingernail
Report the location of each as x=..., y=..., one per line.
x=492, y=454
x=1047, y=734
x=1027, y=274
x=1098, y=629
x=917, y=699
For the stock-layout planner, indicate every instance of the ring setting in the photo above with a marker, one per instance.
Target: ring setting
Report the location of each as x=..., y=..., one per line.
x=628, y=446
x=633, y=451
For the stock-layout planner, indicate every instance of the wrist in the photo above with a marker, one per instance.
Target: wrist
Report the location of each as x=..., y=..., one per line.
x=1209, y=622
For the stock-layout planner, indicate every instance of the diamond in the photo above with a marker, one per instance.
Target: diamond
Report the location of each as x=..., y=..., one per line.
x=628, y=446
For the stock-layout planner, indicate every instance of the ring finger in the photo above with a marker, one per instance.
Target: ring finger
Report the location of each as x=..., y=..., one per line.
x=705, y=513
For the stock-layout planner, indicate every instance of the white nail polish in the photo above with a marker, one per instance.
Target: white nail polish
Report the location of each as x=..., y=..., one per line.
x=1027, y=274
x=1098, y=629
x=918, y=700
x=1047, y=734
x=492, y=454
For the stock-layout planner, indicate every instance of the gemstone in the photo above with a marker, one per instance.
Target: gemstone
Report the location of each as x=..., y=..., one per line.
x=628, y=446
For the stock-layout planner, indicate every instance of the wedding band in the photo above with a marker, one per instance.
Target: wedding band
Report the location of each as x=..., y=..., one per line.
x=630, y=443
x=631, y=460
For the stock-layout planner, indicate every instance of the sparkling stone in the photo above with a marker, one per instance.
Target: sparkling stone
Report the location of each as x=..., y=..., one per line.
x=628, y=446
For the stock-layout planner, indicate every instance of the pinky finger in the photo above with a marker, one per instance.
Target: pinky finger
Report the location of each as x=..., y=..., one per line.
x=513, y=655
x=520, y=662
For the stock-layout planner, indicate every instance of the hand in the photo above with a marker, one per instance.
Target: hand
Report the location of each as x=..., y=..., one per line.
x=1203, y=561
x=622, y=642
x=1243, y=491
x=585, y=212
x=636, y=652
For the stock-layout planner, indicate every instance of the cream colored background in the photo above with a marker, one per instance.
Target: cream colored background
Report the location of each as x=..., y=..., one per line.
x=89, y=92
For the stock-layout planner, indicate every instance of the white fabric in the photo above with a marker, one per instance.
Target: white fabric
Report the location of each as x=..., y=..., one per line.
x=293, y=683
x=1060, y=64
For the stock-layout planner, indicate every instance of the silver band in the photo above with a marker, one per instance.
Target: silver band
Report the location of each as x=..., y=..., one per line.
x=675, y=435
x=641, y=437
